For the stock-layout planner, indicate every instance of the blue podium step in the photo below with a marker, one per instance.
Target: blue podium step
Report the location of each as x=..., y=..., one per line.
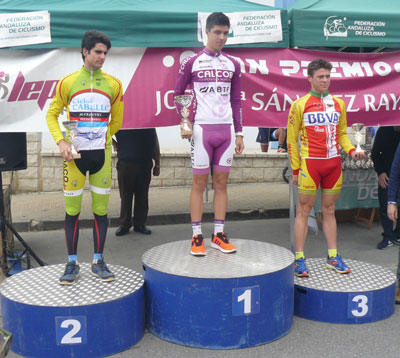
x=219, y=301
x=366, y=294
x=88, y=319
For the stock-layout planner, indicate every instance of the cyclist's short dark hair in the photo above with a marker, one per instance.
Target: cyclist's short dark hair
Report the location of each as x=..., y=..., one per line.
x=91, y=38
x=217, y=19
x=317, y=65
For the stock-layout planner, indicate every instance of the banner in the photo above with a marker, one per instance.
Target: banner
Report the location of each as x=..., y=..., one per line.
x=24, y=28
x=272, y=79
x=247, y=27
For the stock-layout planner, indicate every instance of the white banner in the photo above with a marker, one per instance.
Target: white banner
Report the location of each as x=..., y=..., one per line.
x=24, y=28
x=28, y=80
x=247, y=27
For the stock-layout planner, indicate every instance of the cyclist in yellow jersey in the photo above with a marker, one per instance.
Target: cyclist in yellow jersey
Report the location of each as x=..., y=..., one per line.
x=90, y=96
x=320, y=118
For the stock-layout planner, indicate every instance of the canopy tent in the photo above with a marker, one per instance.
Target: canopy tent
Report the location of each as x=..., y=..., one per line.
x=140, y=23
x=344, y=23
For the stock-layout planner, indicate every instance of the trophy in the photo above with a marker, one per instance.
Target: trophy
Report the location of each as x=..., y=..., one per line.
x=71, y=126
x=185, y=101
x=357, y=128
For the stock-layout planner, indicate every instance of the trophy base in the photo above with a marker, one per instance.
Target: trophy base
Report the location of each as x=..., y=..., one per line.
x=186, y=133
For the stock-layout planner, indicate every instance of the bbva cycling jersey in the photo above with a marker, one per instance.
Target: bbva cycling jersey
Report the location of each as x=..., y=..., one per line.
x=321, y=121
x=214, y=79
x=89, y=97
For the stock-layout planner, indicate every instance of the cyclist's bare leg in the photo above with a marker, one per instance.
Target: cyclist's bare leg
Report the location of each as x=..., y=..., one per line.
x=304, y=205
x=329, y=226
x=220, y=180
x=196, y=196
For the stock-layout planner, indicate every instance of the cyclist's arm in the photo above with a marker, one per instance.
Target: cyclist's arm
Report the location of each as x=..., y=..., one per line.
x=117, y=108
x=236, y=101
x=293, y=128
x=343, y=138
x=57, y=105
x=182, y=82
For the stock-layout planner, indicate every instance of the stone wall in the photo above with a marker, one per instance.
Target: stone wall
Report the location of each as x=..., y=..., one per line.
x=44, y=172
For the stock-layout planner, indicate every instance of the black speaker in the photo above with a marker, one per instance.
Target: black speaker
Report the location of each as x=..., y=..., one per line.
x=12, y=151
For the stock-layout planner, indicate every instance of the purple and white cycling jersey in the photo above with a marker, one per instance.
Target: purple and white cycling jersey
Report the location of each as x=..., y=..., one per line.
x=214, y=79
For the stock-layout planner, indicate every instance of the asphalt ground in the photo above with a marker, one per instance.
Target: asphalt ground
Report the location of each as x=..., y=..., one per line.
x=167, y=205
x=305, y=339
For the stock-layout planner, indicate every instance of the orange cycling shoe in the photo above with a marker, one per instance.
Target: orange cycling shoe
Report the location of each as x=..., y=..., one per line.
x=198, y=246
x=220, y=241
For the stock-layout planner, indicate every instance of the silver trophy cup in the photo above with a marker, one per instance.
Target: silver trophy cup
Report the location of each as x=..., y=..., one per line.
x=73, y=133
x=357, y=127
x=185, y=101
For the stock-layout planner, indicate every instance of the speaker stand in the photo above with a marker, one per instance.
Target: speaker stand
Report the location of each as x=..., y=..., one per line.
x=5, y=223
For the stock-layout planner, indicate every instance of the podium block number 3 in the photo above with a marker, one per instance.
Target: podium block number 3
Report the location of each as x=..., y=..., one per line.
x=245, y=300
x=359, y=305
x=71, y=330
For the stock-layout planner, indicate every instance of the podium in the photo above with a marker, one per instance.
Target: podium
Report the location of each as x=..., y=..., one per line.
x=219, y=301
x=366, y=294
x=91, y=318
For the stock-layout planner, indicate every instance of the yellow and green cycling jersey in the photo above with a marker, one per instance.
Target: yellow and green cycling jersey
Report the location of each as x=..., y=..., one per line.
x=89, y=97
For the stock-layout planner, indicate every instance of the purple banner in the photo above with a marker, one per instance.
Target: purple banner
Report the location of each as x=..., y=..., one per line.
x=272, y=79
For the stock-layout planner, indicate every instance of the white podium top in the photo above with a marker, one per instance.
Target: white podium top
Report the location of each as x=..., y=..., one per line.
x=40, y=286
x=362, y=278
x=252, y=258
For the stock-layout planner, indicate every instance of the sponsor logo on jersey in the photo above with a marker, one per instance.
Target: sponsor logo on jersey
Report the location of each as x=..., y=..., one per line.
x=319, y=129
x=320, y=118
x=214, y=74
x=89, y=101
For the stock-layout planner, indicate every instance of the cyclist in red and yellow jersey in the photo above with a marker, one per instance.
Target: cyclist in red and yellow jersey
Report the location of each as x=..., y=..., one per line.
x=90, y=96
x=320, y=118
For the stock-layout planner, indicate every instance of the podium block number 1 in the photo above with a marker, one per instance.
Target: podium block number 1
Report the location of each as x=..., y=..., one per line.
x=71, y=330
x=245, y=300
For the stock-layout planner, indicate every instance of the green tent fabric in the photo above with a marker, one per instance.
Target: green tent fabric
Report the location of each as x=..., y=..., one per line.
x=345, y=23
x=128, y=23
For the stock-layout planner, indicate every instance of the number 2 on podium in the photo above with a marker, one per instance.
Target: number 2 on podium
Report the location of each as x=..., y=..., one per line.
x=71, y=330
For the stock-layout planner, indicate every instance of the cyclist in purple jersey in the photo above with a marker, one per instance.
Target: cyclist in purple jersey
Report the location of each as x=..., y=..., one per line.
x=214, y=80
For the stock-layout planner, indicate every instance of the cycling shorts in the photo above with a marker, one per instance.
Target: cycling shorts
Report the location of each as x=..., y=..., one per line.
x=98, y=164
x=212, y=143
x=326, y=173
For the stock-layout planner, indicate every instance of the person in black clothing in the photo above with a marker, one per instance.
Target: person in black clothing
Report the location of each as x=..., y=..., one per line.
x=382, y=154
x=136, y=150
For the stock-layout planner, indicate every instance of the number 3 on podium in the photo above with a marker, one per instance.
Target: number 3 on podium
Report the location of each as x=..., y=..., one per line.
x=245, y=300
x=359, y=305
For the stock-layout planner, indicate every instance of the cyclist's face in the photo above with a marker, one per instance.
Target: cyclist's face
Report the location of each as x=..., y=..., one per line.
x=94, y=59
x=217, y=37
x=320, y=80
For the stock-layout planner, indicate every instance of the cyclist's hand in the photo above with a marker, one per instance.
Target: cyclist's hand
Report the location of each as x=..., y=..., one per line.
x=65, y=150
x=295, y=179
x=186, y=134
x=239, y=145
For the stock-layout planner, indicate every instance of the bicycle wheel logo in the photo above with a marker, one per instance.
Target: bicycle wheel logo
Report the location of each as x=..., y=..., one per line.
x=335, y=26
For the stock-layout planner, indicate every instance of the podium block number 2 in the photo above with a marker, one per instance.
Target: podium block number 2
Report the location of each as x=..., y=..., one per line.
x=246, y=300
x=71, y=330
